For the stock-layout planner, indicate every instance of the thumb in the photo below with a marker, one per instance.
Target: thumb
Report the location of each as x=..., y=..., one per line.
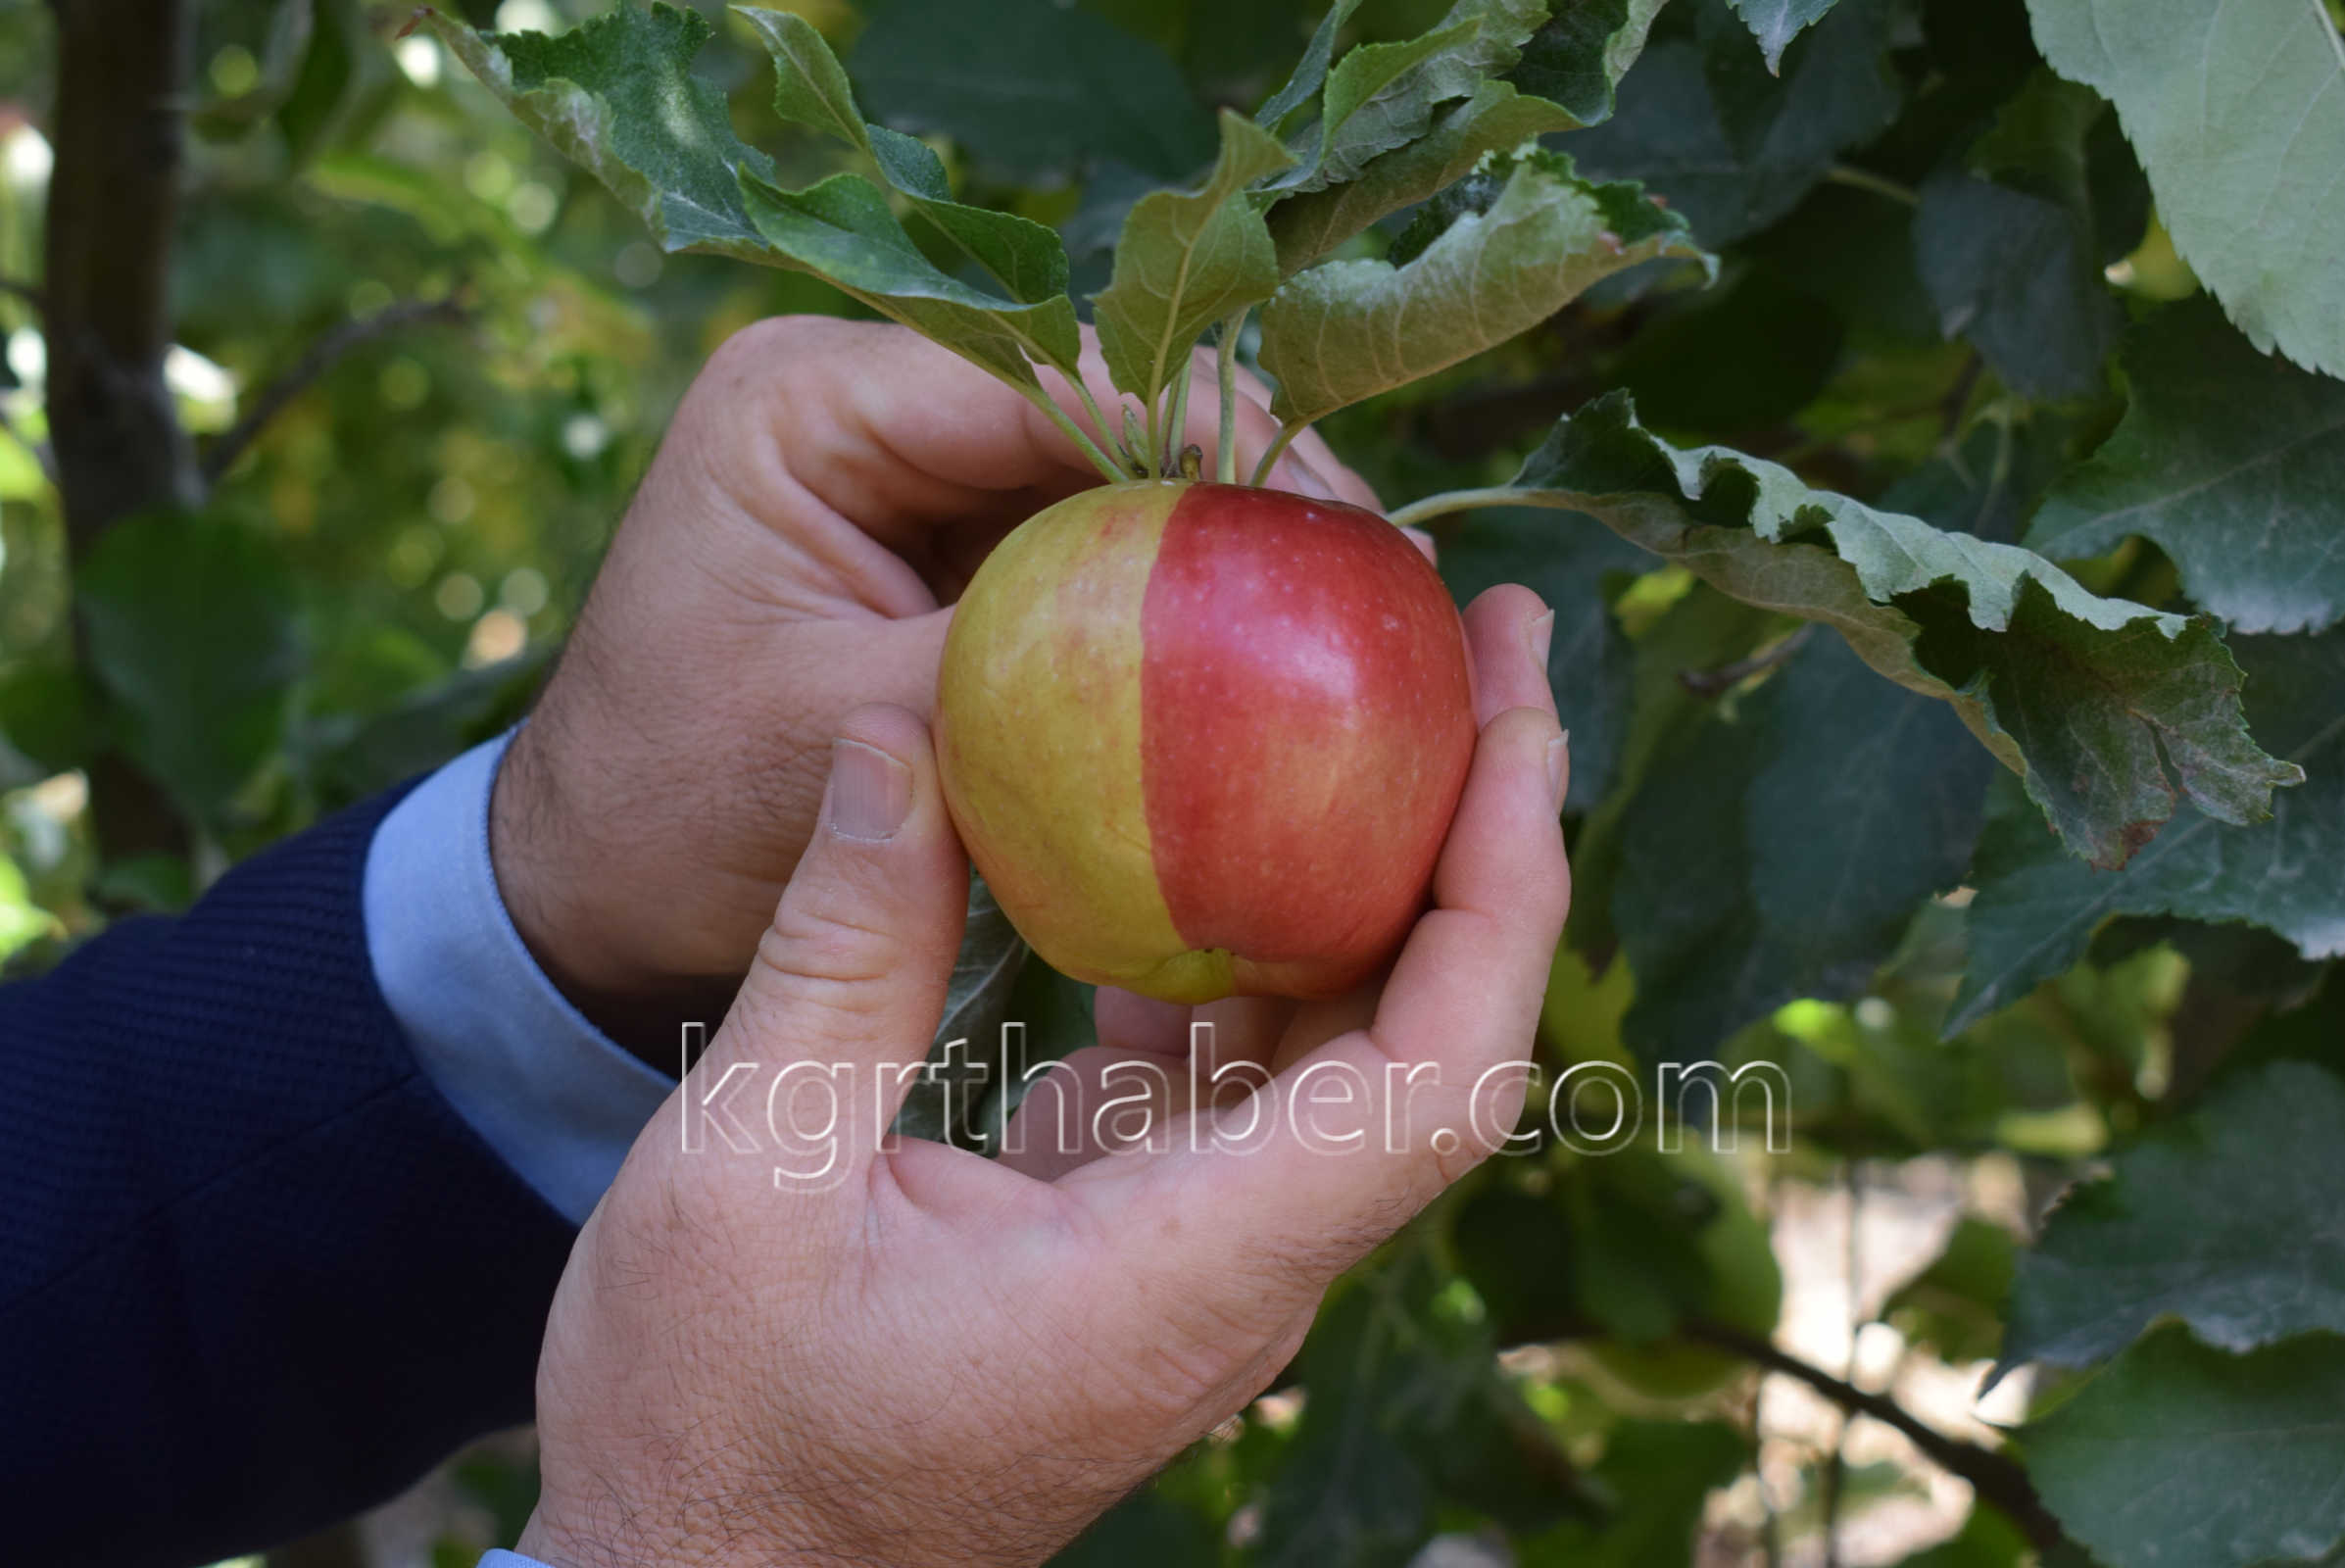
x=878, y=661
x=851, y=972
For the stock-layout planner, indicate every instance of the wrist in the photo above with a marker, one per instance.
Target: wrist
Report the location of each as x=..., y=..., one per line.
x=565, y=893
x=628, y=1542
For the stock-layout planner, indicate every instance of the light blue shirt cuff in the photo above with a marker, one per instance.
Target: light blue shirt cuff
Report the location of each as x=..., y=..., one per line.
x=545, y=1088
x=499, y=1557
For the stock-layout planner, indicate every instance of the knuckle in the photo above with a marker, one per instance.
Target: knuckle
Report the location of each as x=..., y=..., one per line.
x=825, y=957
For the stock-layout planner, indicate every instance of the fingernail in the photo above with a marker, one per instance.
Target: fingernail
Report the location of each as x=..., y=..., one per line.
x=1303, y=479
x=1559, y=767
x=1423, y=541
x=1542, y=638
x=871, y=793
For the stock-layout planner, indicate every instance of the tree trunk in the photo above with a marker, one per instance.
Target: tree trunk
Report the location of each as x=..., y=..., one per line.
x=117, y=129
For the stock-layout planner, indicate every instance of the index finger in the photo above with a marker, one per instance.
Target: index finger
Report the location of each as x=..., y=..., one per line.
x=903, y=436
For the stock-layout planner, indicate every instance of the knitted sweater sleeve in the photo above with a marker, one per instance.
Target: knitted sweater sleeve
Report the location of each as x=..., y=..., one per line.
x=255, y=1273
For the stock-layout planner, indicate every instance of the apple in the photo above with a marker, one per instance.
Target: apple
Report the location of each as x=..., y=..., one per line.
x=1205, y=740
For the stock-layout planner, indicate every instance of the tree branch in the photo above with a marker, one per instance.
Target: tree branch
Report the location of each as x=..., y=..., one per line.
x=222, y=453
x=25, y=292
x=1995, y=1477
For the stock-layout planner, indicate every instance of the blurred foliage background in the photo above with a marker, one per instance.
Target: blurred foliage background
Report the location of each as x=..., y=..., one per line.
x=466, y=352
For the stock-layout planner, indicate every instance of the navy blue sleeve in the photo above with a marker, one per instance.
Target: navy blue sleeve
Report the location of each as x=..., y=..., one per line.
x=255, y=1273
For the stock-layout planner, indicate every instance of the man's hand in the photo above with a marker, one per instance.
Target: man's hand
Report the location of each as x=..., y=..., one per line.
x=826, y=488
x=911, y=1356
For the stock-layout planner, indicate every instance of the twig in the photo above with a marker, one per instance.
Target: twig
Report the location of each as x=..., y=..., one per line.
x=25, y=292
x=1856, y=178
x=1958, y=396
x=1276, y=448
x=1995, y=1477
x=221, y=455
x=1718, y=682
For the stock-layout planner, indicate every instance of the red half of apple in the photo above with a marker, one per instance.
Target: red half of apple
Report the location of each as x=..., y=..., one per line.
x=1205, y=739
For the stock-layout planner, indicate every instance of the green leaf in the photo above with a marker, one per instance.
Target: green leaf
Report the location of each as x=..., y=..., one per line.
x=349, y=755
x=1955, y=1306
x=617, y=94
x=1579, y=58
x=1988, y=484
x=1346, y=331
x=1515, y=1247
x=1187, y=260
x=1033, y=90
x=1734, y=147
x=617, y=97
x=2108, y=710
x=2233, y=461
x=1744, y=356
x=1146, y=1529
x=1383, y=95
x=22, y=922
x=2225, y=1220
x=193, y=635
x=1702, y=630
x=2011, y=250
x=2036, y=909
x=2181, y=1454
x=1311, y=71
x=2239, y=114
x=844, y=231
x=1847, y=801
x=811, y=89
x=1495, y=118
x=342, y=68
x=1405, y=1403
x=1987, y=1540
x=943, y=1105
x=2016, y=275
x=1588, y=659
x=44, y=717
x=1663, y=1473
x=1776, y=23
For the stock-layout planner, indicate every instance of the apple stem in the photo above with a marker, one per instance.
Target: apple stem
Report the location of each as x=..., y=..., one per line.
x=1075, y=433
x=1099, y=418
x=1278, y=446
x=1176, y=428
x=1448, y=501
x=1152, y=449
x=1225, y=354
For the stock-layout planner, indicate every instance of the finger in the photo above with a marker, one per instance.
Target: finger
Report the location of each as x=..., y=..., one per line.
x=1475, y=968
x=1312, y=450
x=1126, y=1020
x=878, y=661
x=1089, y=1101
x=1507, y=633
x=907, y=438
x=1154, y=1062
x=1431, y=1084
x=850, y=978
